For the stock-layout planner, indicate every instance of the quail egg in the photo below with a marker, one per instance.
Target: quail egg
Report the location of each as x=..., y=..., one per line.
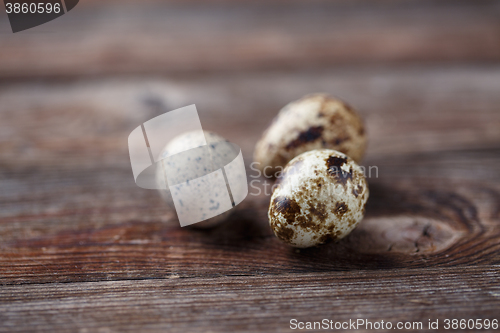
x=320, y=196
x=218, y=149
x=316, y=121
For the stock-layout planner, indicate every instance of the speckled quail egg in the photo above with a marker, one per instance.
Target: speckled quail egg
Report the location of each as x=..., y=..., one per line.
x=320, y=196
x=316, y=121
x=217, y=150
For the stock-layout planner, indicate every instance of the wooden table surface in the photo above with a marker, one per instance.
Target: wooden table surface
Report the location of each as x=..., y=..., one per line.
x=83, y=249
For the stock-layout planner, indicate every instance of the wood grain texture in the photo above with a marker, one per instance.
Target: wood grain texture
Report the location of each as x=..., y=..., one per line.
x=76, y=215
x=250, y=304
x=422, y=223
x=196, y=37
x=70, y=211
x=406, y=110
x=83, y=249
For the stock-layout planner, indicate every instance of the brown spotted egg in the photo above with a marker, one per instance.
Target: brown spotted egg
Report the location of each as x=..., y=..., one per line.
x=316, y=121
x=320, y=196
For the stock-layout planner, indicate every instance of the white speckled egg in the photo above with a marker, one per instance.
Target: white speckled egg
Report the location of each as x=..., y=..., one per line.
x=217, y=152
x=316, y=121
x=320, y=196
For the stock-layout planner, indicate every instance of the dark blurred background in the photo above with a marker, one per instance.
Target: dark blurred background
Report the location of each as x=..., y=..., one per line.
x=424, y=74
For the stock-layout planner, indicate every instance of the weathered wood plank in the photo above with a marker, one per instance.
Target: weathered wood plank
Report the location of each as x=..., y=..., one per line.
x=83, y=249
x=136, y=38
x=71, y=212
x=407, y=225
x=251, y=304
x=406, y=110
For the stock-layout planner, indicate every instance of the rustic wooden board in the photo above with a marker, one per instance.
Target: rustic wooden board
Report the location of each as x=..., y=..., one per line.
x=82, y=248
x=252, y=303
x=154, y=38
x=70, y=211
x=107, y=232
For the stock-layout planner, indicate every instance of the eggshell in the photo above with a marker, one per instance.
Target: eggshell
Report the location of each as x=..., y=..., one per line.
x=316, y=121
x=320, y=196
x=217, y=152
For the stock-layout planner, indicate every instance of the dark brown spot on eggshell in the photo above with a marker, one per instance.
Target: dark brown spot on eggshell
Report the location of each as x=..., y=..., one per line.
x=332, y=236
x=335, y=162
x=311, y=135
x=325, y=238
x=319, y=210
x=306, y=223
x=286, y=207
x=285, y=234
x=357, y=191
x=334, y=169
x=340, y=209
